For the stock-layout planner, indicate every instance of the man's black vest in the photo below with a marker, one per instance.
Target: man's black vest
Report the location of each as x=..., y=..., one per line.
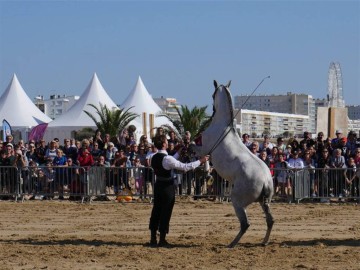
x=156, y=164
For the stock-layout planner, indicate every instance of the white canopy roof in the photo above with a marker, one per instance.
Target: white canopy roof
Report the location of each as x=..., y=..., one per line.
x=75, y=119
x=18, y=109
x=142, y=102
x=75, y=116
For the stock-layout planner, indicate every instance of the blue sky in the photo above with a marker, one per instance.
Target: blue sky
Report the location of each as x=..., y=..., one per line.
x=179, y=47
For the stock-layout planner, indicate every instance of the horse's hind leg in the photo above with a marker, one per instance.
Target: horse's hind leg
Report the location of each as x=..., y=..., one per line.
x=269, y=219
x=242, y=216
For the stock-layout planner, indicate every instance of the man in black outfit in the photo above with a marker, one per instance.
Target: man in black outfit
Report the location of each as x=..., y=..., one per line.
x=164, y=189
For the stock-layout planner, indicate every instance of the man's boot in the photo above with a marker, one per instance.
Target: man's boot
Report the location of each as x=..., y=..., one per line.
x=163, y=242
x=153, y=241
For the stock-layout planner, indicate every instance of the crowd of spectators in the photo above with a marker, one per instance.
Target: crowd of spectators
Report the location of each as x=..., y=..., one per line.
x=331, y=163
x=125, y=151
x=312, y=154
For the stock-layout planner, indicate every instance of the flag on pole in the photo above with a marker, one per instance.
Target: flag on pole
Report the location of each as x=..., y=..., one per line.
x=37, y=132
x=6, y=129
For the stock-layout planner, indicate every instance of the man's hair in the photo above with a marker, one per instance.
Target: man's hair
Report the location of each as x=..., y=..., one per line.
x=159, y=140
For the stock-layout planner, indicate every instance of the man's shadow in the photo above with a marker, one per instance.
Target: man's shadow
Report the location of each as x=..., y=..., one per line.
x=82, y=242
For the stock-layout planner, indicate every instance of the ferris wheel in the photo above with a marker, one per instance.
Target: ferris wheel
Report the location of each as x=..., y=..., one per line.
x=335, y=89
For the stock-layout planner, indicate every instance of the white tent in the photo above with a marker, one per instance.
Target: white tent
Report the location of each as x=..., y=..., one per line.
x=142, y=102
x=18, y=109
x=75, y=118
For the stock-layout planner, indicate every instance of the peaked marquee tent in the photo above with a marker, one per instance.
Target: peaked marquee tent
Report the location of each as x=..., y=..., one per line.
x=19, y=110
x=142, y=102
x=75, y=119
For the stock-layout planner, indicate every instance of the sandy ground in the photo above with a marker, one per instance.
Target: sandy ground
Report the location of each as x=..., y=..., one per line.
x=111, y=235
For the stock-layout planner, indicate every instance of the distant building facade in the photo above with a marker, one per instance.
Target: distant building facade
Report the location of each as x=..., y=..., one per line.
x=168, y=106
x=291, y=103
x=354, y=112
x=259, y=123
x=56, y=105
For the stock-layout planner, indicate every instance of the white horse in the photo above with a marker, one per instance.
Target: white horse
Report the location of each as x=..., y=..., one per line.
x=251, y=178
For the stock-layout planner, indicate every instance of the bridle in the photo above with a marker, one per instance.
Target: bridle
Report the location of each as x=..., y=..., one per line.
x=231, y=124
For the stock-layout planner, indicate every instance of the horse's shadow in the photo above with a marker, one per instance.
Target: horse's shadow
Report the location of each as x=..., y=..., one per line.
x=351, y=242
x=301, y=243
x=82, y=242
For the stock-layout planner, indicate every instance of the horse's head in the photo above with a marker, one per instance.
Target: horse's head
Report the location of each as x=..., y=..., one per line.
x=222, y=103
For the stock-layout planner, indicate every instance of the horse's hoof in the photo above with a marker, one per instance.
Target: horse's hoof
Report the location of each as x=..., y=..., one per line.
x=232, y=245
x=265, y=244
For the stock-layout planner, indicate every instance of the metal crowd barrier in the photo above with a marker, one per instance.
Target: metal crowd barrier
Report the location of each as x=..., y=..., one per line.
x=100, y=183
x=9, y=182
x=84, y=183
x=321, y=184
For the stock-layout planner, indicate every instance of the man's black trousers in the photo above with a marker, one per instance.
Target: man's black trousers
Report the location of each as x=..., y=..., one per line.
x=164, y=200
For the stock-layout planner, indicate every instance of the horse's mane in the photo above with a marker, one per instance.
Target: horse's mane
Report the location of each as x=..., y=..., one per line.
x=231, y=124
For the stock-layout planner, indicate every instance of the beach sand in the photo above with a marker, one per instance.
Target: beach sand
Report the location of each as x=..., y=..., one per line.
x=110, y=235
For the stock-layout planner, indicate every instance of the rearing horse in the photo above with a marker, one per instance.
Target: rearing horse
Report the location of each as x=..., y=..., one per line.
x=251, y=178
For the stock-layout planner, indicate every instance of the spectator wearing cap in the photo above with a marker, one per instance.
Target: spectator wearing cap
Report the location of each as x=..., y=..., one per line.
x=335, y=142
x=10, y=154
x=342, y=147
x=352, y=143
x=295, y=161
x=246, y=140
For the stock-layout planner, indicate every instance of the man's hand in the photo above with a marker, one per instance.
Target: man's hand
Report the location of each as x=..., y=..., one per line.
x=204, y=159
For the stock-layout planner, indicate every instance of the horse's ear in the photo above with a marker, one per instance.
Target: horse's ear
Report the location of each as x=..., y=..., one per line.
x=228, y=84
x=215, y=84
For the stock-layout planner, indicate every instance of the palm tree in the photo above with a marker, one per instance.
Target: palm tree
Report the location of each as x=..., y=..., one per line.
x=194, y=120
x=111, y=121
